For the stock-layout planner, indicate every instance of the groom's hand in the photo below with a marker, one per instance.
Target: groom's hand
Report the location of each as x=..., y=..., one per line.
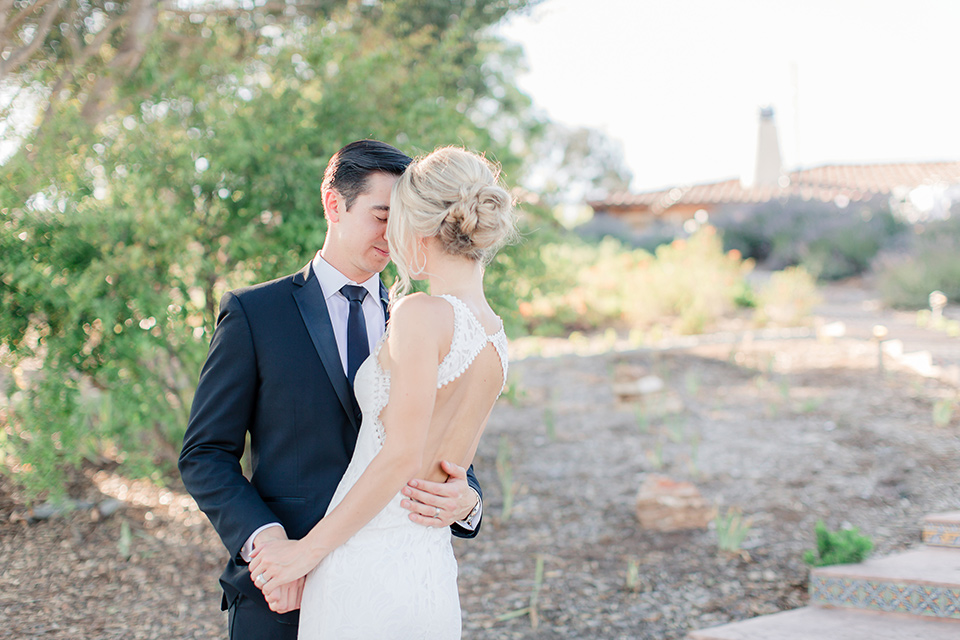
x=440, y=504
x=285, y=598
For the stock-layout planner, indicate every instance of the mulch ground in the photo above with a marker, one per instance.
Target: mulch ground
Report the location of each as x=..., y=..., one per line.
x=787, y=431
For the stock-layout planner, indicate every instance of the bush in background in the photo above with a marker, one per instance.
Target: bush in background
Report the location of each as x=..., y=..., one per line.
x=930, y=263
x=829, y=242
x=788, y=298
x=686, y=285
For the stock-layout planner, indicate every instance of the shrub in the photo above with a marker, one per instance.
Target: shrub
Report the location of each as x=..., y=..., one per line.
x=930, y=264
x=830, y=242
x=845, y=546
x=788, y=298
x=687, y=285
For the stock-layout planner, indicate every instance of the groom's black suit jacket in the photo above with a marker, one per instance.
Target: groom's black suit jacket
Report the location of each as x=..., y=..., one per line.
x=274, y=371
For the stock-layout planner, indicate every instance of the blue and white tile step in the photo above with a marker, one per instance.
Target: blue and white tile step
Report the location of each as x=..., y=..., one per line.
x=922, y=582
x=942, y=530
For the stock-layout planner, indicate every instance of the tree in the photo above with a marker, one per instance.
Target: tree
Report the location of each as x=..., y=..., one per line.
x=575, y=163
x=137, y=201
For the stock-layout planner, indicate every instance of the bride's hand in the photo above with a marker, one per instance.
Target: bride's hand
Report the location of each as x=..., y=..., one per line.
x=279, y=562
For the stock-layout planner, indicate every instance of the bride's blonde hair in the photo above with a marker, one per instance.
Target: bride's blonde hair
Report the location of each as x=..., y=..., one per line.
x=454, y=195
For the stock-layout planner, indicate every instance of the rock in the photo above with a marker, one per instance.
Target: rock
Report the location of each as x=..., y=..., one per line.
x=108, y=507
x=667, y=505
x=640, y=387
x=48, y=510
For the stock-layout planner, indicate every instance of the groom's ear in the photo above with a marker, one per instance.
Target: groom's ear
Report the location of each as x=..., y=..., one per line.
x=331, y=205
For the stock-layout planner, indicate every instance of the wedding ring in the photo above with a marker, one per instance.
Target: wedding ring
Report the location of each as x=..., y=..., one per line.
x=259, y=579
x=437, y=513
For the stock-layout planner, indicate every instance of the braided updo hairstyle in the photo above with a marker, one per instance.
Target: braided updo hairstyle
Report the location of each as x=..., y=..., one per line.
x=455, y=196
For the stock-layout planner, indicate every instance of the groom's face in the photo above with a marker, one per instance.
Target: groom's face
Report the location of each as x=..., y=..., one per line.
x=363, y=226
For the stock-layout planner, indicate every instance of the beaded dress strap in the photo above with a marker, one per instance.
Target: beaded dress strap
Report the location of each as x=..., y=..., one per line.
x=469, y=339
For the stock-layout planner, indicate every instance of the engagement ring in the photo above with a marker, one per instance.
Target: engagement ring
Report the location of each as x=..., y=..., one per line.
x=437, y=514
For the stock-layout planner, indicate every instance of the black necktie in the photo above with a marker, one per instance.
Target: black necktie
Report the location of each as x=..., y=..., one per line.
x=358, y=348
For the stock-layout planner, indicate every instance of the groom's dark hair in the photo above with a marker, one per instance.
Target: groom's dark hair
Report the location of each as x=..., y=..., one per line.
x=349, y=168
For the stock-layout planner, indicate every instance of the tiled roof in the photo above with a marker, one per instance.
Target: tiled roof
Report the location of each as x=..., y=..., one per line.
x=853, y=181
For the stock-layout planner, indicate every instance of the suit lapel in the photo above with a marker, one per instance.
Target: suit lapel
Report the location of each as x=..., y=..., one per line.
x=313, y=309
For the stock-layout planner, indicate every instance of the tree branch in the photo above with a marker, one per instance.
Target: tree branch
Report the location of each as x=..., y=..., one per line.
x=142, y=15
x=68, y=75
x=21, y=55
x=170, y=7
x=7, y=28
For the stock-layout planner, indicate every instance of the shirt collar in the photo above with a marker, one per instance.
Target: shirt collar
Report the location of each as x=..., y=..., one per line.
x=331, y=280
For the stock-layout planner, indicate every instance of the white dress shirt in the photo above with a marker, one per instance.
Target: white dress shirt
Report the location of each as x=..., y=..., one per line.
x=331, y=281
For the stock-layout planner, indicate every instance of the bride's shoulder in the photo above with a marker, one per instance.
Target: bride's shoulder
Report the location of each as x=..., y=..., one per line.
x=421, y=313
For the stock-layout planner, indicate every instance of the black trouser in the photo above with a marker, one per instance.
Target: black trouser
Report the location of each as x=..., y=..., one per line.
x=249, y=619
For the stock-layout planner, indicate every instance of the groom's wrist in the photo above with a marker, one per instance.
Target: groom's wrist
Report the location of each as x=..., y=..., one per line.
x=269, y=532
x=272, y=531
x=469, y=521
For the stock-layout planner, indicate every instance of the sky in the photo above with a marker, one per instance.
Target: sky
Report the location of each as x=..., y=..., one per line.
x=679, y=83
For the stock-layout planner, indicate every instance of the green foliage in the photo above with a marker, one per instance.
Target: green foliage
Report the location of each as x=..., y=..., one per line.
x=788, y=298
x=829, y=242
x=844, y=546
x=686, y=285
x=533, y=608
x=632, y=581
x=119, y=235
x=943, y=412
x=732, y=529
x=930, y=264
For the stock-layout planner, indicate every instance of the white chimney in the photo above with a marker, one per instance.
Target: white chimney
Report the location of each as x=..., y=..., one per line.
x=769, y=168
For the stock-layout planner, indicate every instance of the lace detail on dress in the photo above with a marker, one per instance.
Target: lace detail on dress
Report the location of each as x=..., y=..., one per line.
x=380, y=389
x=469, y=339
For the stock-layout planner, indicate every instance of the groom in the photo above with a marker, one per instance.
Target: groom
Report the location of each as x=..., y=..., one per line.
x=281, y=367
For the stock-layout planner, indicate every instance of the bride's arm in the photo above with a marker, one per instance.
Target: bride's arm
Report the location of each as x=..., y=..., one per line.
x=414, y=349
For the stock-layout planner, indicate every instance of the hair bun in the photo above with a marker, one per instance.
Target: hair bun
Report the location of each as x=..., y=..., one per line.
x=464, y=212
x=479, y=217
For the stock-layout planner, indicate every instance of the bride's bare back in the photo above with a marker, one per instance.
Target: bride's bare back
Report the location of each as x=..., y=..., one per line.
x=462, y=405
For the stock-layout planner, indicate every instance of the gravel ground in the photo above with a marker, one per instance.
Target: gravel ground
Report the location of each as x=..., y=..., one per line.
x=788, y=431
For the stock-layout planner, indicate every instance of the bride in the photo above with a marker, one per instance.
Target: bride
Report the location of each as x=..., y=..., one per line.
x=426, y=393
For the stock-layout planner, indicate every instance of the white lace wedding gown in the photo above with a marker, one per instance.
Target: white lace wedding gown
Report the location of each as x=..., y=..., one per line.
x=394, y=578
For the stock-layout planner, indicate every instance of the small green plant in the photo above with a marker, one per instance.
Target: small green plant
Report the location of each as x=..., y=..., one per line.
x=125, y=540
x=505, y=474
x=693, y=463
x=532, y=609
x=943, y=412
x=845, y=546
x=655, y=455
x=514, y=393
x=732, y=529
x=643, y=420
x=692, y=382
x=632, y=582
x=784, y=388
x=549, y=421
x=675, y=429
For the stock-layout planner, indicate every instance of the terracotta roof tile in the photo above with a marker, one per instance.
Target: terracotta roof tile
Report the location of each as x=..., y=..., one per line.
x=855, y=181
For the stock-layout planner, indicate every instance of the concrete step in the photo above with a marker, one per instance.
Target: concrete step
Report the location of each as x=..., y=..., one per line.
x=921, y=582
x=942, y=530
x=815, y=623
